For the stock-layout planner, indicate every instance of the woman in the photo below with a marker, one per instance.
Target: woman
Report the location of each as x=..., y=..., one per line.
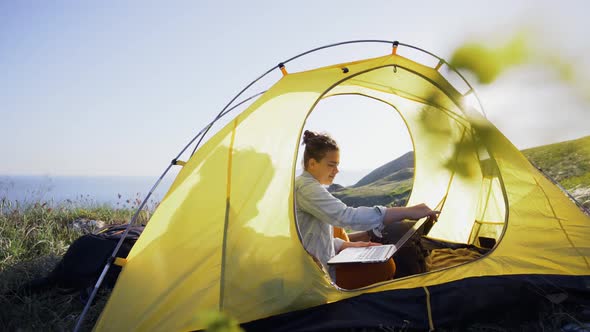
x=318, y=211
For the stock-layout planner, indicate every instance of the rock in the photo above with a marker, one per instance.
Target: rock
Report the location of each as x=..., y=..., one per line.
x=581, y=193
x=86, y=226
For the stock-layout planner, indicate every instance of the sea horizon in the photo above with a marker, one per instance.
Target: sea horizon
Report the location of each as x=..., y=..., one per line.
x=113, y=190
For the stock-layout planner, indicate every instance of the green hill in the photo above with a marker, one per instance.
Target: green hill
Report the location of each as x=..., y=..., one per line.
x=391, y=184
x=404, y=162
x=568, y=163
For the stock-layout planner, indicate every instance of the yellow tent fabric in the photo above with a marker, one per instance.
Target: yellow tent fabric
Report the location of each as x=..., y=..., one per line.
x=225, y=236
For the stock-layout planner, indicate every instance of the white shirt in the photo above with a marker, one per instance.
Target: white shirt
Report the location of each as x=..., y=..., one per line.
x=318, y=211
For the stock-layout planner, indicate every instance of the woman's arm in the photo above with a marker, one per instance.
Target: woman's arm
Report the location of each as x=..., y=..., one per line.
x=315, y=200
x=395, y=214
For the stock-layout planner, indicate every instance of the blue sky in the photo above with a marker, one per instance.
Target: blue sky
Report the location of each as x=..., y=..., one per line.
x=119, y=87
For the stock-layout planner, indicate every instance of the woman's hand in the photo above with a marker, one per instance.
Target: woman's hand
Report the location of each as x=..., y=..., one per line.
x=358, y=244
x=420, y=211
x=397, y=214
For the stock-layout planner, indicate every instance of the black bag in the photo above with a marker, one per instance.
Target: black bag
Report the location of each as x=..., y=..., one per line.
x=85, y=259
x=409, y=259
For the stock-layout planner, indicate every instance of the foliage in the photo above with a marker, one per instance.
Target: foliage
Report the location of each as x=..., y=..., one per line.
x=487, y=63
x=33, y=237
x=525, y=47
x=567, y=162
x=219, y=322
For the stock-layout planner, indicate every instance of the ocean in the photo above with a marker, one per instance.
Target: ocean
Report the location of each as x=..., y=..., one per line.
x=117, y=191
x=83, y=190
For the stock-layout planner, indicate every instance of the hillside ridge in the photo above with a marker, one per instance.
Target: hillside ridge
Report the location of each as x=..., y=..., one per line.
x=390, y=184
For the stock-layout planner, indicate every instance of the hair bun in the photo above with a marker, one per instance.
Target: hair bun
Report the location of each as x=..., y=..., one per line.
x=308, y=135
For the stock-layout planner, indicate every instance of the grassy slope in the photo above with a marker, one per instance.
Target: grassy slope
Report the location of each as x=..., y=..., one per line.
x=388, y=191
x=32, y=240
x=388, y=185
x=567, y=162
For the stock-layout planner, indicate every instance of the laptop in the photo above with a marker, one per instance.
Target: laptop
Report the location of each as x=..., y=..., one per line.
x=374, y=254
x=379, y=254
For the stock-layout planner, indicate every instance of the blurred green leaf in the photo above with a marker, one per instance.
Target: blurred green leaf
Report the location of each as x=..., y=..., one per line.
x=461, y=163
x=219, y=322
x=486, y=62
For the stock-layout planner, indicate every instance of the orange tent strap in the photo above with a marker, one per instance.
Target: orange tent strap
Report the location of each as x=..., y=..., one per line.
x=394, y=49
x=440, y=63
x=120, y=261
x=283, y=70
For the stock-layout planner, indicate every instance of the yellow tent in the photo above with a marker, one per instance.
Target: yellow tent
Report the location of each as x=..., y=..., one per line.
x=225, y=235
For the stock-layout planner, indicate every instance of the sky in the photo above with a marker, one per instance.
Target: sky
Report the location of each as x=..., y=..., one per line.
x=119, y=87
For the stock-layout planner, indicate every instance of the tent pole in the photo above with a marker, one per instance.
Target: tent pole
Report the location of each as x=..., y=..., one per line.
x=114, y=254
x=222, y=114
x=282, y=63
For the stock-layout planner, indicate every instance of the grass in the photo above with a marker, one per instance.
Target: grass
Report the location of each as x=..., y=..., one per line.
x=33, y=237
x=385, y=192
x=567, y=162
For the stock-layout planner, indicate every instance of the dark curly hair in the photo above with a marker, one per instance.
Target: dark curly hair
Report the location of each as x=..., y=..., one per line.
x=316, y=146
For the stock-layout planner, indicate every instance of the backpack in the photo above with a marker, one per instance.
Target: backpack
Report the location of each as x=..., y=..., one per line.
x=85, y=259
x=409, y=259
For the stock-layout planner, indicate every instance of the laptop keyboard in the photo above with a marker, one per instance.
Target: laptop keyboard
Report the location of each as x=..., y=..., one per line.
x=374, y=253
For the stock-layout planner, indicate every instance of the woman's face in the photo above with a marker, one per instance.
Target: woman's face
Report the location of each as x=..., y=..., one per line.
x=326, y=169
